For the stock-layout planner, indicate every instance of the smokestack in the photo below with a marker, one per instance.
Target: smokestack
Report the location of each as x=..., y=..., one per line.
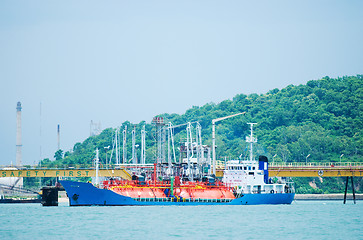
x=58, y=132
x=18, y=134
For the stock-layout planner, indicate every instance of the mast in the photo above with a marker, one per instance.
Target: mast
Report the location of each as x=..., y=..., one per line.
x=97, y=168
x=169, y=152
x=171, y=148
x=251, y=139
x=189, y=150
x=143, y=133
x=172, y=141
x=200, y=150
x=124, y=151
x=134, y=159
x=198, y=140
x=119, y=144
x=117, y=158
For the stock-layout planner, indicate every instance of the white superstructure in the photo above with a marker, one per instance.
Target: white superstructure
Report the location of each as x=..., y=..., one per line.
x=248, y=176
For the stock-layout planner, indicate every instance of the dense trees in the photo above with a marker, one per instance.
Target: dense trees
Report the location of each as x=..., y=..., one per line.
x=322, y=118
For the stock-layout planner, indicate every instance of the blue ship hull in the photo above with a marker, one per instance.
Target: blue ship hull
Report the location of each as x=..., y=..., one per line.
x=85, y=194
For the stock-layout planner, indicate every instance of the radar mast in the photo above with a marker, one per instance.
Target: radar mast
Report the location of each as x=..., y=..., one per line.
x=251, y=139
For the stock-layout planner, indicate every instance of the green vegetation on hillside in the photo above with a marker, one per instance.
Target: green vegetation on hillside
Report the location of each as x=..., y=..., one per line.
x=322, y=118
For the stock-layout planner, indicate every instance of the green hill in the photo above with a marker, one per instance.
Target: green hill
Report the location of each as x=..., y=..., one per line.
x=322, y=118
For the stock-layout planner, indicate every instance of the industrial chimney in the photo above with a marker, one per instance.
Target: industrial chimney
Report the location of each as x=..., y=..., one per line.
x=58, y=133
x=18, y=134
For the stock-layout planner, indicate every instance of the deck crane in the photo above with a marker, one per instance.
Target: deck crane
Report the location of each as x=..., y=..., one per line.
x=171, y=141
x=171, y=128
x=214, y=136
x=171, y=152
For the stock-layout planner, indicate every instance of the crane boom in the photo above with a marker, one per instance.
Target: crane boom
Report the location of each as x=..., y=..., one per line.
x=183, y=124
x=222, y=118
x=214, y=136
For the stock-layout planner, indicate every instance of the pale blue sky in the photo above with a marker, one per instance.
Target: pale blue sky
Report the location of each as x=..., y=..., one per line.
x=112, y=61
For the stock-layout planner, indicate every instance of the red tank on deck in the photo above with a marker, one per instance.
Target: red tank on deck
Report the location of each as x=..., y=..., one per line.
x=180, y=192
x=206, y=193
x=188, y=190
x=135, y=192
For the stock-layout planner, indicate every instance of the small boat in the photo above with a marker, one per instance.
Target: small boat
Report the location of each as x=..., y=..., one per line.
x=12, y=200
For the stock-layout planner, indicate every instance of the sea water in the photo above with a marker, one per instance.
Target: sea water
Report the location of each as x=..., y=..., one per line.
x=300, y=220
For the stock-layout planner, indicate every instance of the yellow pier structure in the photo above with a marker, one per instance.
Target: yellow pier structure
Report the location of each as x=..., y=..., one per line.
x=316, y=172
x=310, y=170
x=275, y=170
x=65, y=173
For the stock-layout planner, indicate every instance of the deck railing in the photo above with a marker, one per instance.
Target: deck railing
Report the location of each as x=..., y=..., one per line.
x=221, y=164
x=316, y=164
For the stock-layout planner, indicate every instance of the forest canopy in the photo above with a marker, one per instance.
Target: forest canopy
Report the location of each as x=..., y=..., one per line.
x=321, y=119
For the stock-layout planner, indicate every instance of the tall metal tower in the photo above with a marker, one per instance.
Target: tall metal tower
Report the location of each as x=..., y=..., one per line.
x=18, y=135
x=160, y=136
x=95, y=128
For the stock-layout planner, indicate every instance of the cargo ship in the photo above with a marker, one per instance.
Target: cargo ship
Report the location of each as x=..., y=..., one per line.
x=244, y=182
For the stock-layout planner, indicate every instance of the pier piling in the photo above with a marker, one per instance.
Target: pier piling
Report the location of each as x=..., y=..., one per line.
x=346, y=189
x=49, y=196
